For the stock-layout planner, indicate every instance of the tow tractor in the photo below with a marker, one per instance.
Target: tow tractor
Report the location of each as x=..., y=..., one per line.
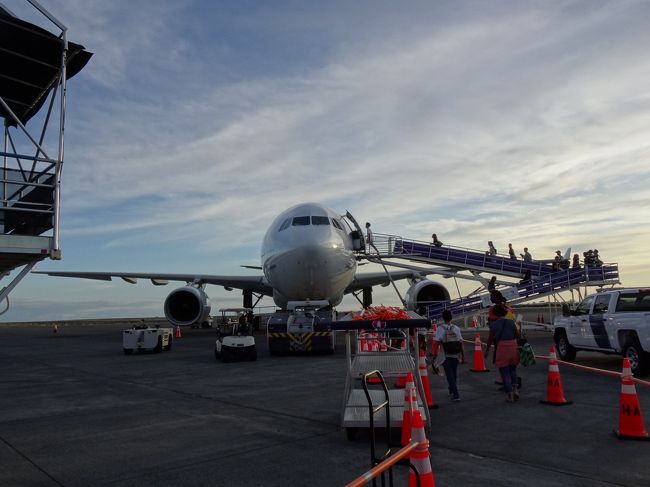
x=147, y=338
x=235, y=340
x=303, y=327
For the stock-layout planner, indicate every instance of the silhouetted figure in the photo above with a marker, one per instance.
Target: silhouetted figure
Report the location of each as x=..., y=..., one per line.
x=557, y=261
x=526, y=255
x=491, y=249
x=511, y=252
x=576, y=262
x=435, y=240
x=492, y=284
x=597, y=261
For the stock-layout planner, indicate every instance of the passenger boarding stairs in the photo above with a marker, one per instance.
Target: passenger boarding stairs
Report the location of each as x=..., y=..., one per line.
x=545, y=280
x=34, y=67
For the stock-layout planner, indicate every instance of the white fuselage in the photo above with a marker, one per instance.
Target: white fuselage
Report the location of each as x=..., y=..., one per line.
x=307, y=255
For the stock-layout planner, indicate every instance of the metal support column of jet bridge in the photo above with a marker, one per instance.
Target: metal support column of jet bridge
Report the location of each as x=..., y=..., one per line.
x=35, y=65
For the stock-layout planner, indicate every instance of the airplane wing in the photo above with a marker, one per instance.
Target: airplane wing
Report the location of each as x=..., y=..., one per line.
x=253, y=283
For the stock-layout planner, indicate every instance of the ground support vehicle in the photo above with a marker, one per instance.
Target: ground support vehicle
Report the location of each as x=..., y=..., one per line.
x=610, y=321
x=303, y=327
x=235, y=340
x=147, y=338
x=391, y=363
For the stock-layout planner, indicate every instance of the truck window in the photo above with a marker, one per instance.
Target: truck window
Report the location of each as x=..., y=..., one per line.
x=601, y=304
x=637, y=301
x=584, y=307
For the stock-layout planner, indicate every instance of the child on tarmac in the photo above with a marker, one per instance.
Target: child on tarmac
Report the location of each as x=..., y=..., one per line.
x=448, y=349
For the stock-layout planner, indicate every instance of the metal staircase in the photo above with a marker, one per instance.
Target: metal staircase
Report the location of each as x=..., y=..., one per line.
x=35, y=65
x=544, y=280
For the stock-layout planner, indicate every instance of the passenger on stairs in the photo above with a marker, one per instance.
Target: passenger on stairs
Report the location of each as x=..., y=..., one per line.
x=526, y=279
x=557, y=261
x=576, y=261
x=492, y=284
x=511, y=252
x=597, y=261
x=436, y=242
x=491, y=249
x=370, y=238
x=526, y=255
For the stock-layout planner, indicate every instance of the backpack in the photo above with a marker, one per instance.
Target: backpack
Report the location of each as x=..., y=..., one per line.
x=450, y=342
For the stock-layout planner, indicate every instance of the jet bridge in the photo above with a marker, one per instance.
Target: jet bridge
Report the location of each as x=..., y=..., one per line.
x=35, y=65
x=544, y=279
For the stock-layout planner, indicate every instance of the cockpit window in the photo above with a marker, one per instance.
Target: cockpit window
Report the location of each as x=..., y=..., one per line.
x=300, y=221
x=285, y=225
x=320, y=220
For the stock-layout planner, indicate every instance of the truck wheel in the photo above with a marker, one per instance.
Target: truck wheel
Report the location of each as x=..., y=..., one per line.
x=252, y=355
x=639, y=360
x=169, y=344
x=158, y=347
x=565, y=351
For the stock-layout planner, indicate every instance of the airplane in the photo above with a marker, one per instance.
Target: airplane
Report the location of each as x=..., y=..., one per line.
x=309, y=259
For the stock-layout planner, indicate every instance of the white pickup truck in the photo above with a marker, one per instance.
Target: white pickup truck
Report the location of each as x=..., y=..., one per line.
x=612, y=321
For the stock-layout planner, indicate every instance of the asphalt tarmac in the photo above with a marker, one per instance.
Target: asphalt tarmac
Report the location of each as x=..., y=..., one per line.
x=75, y=411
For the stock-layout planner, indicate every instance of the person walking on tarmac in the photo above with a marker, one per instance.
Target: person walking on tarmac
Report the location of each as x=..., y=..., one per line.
x=503, y=334
x=448, y=350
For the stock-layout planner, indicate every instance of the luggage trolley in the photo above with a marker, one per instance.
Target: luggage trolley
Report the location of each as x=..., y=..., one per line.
x=391, y=363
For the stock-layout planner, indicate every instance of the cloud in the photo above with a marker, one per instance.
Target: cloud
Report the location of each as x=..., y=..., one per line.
x=506, y=122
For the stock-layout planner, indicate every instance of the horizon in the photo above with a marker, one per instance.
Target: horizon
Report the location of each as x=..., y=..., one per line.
x=195, y=123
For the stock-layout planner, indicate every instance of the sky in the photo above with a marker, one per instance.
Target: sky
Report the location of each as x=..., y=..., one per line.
x=196, y=122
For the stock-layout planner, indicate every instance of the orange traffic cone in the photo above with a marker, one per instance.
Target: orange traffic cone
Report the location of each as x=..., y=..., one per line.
x=410, y=404
x=554, y=392
x=479, y=361
x=178, y=332
x=630, y=420
x=55, y=328
x=424, y=377
x=420, y=457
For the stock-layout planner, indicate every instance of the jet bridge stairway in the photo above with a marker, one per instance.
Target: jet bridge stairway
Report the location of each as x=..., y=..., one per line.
x=392, y=246
x=545, y=280
x=533, y=289
x=35, y=65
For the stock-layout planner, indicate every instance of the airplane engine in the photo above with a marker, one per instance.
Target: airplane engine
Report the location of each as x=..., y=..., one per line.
x=423, y=293
x=186, y=306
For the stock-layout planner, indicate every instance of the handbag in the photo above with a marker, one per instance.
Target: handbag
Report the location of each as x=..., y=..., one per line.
x=526, y=354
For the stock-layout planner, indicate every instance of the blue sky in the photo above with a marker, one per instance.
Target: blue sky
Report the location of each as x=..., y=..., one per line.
x=196, y=122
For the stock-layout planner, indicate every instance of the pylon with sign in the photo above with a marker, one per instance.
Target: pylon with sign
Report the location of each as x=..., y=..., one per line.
x=630, y=420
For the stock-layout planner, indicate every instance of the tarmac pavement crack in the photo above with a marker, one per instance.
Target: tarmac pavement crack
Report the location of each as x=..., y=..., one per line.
x=31, y=462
